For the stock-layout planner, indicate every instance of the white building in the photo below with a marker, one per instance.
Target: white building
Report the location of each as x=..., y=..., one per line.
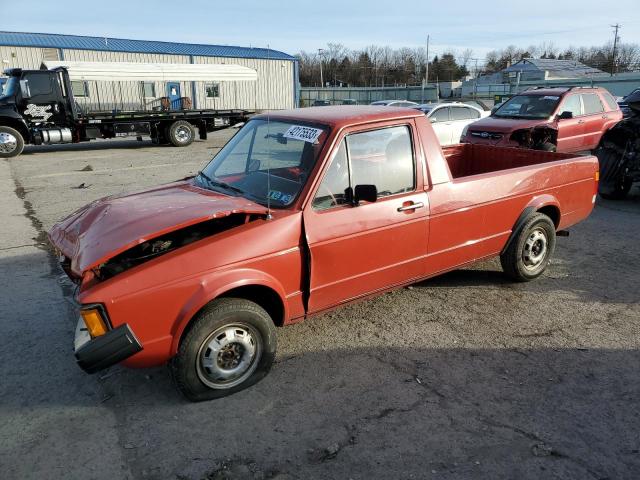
x=277, y=72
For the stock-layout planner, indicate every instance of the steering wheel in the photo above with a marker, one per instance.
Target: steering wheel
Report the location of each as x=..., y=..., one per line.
x=324, y=189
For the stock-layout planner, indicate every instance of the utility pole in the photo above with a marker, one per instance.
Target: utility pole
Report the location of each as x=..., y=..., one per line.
x=615, y=47
x=426, y=75
x=320, y=52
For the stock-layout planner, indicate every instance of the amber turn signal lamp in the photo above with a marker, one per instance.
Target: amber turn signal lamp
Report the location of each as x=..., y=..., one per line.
x=93, y=320
x=597, y=175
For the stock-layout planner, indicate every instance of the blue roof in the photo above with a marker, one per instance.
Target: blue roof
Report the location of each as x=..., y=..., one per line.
x=106, y=44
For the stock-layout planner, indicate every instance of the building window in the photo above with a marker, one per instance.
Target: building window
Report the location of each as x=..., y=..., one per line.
x=213, y=90
x=149, y=89
x=79, y=88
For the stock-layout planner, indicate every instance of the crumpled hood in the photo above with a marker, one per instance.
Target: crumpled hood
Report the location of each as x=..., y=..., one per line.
x=111, y=225
x=504, y=125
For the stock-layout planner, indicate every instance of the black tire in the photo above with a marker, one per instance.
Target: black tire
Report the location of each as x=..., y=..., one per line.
x=614, y=183
x=527, y=256
x=181, y=133
x=548, y=147
x=14, y=142
x=249, y=323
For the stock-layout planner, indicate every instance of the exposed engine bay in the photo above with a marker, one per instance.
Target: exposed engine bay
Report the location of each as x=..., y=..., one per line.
x=167, y=243
x=619, y=154
x=541, y=137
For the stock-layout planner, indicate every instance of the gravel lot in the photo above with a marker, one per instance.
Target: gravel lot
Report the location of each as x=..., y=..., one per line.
x=463, y=376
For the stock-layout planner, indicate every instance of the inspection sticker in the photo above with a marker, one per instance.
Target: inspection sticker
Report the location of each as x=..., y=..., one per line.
x=306, y=134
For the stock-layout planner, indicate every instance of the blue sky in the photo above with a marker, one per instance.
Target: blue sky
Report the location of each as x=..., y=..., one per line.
x=308, y=25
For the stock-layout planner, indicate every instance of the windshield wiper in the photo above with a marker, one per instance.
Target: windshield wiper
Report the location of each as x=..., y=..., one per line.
x=217, y=183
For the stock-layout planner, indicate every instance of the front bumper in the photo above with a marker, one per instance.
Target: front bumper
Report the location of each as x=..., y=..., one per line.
x=106, y=350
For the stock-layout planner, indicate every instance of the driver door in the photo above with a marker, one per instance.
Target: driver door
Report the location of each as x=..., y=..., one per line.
x=357, y=250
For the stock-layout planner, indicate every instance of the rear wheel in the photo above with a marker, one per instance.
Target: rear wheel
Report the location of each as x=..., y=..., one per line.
x=11, y=142
x=230, y=346
x=181, y=133
x=527, y=256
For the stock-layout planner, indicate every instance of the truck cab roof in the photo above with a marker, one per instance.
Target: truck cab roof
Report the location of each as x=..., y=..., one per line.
x=343, y=115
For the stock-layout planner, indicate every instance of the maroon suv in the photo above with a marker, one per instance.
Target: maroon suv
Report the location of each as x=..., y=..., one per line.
x=566, y=119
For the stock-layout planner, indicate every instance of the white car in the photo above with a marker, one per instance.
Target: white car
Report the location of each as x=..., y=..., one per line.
x=396, y=103
x=449, y=120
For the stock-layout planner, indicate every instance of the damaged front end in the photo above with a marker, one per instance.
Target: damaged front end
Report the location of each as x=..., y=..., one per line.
x=540, y=137
x=167, y=243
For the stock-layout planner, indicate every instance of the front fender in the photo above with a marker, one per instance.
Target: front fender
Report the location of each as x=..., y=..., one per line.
x=217, y=284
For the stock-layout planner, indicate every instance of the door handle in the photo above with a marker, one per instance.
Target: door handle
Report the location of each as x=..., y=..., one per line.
x=605, y=117
x=412, y=206
x=580, y=122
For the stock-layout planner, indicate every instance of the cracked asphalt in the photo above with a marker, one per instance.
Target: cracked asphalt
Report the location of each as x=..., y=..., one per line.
x=466, y=375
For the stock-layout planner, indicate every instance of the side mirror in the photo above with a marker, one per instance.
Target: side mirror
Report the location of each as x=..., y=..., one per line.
x=565, y=115
x=24, y=88
x=368, y=193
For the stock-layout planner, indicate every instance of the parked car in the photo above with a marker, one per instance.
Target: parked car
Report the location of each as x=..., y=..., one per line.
x=449, y=119
x=321, y=103
x=300, y=212
x=395, y=103
x=349, y=101
x=569, y=119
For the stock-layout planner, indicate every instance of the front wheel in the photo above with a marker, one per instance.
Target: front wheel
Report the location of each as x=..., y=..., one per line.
x=230, y=346
x=181, y=133
x=527, y=256
x=11, y=142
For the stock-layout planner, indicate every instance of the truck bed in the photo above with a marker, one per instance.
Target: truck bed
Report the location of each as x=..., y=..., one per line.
x=467, y=159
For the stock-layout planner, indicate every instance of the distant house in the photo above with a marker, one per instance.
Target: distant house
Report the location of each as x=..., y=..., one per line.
x=532, y=69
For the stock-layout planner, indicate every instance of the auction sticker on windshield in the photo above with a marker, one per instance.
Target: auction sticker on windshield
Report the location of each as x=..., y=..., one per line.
x=306, y=134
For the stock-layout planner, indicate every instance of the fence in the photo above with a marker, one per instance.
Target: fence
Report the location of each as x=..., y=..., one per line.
x=366, y=95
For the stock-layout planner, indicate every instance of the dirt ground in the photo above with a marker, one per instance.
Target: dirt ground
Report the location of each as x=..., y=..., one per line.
x=463, y=376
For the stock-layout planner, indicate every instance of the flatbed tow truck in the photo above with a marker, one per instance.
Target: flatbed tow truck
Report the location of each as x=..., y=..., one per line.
x=38, y=107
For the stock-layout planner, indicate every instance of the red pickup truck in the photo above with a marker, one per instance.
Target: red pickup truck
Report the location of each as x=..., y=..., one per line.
x=562, y=119
x=301, y=211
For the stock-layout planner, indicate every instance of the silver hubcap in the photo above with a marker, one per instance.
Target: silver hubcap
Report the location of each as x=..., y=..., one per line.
x=229, y=356
x=183, y=134
x=535, y=249
x=8, y=143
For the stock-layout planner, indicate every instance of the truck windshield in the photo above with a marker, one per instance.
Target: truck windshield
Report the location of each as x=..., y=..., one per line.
x=528, y=106
x=266, y=160
x=9, y=88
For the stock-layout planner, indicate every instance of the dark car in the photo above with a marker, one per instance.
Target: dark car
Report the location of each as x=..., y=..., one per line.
x=321, y=103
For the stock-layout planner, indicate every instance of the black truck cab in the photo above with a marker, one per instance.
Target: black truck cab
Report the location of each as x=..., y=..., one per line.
x=38, y=107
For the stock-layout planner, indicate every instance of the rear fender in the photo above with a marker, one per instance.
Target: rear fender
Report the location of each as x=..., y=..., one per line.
x=217, y=285
x=542, y=202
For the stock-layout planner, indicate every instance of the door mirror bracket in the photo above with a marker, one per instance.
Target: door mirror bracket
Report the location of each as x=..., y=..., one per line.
x=368, y=193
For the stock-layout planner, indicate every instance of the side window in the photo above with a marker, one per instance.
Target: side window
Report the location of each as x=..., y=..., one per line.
x=332, y=190
x=463, y=113
x=440, y=115
x=592, y=103
x=611, y=102
x=383, y=158
x=39, y=84
x=572, y=104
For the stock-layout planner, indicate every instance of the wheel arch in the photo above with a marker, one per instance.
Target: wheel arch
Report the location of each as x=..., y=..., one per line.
x=257, y=287
x=17, y=124
x=546, y=204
